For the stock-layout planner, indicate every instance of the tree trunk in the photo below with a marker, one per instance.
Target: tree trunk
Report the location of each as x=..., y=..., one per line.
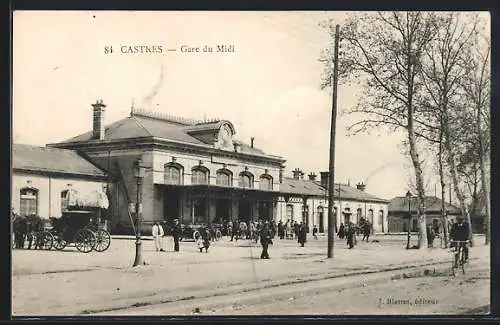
x=486, y=203
x=444, y=217
x=483, y=180
x=422, y=230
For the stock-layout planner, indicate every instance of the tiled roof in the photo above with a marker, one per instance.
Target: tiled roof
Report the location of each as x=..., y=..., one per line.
x=52, y=160
x=138, y=126
x=432, y=205
x=314, y=188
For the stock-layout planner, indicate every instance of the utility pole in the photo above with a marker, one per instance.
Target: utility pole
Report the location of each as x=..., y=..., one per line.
x=331, y=169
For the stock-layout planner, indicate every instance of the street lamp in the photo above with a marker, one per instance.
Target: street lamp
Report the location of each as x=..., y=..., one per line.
x=408, y=197
x=139, y=175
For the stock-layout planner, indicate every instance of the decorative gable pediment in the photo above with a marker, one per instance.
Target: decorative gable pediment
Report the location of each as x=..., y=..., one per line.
x=216, y=133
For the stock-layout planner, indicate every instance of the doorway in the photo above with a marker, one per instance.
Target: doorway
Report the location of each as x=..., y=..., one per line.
x=171, y=206
x=245, y=210
x=264, y=207
x=223, y=210
x=321, y=217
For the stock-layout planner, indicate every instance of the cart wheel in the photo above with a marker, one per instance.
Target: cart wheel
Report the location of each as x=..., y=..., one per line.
x=59, y=242
x=103, y=240
x=196, y=235
x=218, y=235
x=84, y=240
x=46, y=241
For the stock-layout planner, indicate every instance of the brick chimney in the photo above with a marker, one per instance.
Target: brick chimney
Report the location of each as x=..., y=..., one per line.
x=251, y=142
x=325, y=178
x=361, y=186
x=297, y=173
x=312, y=176
x=98, y=120
x=281, y=173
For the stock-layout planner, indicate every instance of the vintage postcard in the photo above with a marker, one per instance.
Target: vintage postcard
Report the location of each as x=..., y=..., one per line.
x=179, y=163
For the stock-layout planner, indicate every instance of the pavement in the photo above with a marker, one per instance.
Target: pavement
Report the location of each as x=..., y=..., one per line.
x=70, y=283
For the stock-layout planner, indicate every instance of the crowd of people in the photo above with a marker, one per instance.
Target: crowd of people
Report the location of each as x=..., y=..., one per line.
x=25, y=228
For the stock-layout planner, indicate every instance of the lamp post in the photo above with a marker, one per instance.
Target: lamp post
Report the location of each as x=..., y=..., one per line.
x=408, y=197
x=139, y=175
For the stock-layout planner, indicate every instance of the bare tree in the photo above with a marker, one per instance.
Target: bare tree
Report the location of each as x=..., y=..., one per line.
x=383, y=51
x=476, y=87
x=442, y=69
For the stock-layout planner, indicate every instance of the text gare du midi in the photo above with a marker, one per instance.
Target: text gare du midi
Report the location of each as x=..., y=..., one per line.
x=159, y=49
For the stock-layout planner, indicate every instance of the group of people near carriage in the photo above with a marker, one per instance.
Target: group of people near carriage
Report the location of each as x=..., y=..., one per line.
x=26, y=230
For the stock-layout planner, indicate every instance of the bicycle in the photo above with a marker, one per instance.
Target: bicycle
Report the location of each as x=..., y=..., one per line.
x=458, y=256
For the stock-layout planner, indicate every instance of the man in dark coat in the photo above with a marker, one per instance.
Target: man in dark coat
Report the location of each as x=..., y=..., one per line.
x=350, y=233
x=315, y=232
x=20, y=230
x=366, y=228
x=460, y=232
x=281, y=230
x=341, y=232
x=236, y=230
x=265, y=240
x=302, y=237
x=176, y=233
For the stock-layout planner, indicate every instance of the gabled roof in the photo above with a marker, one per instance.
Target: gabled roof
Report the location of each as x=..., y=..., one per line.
x=52, y=160
x=140, y=125
x=432, y=205
x=314, y=188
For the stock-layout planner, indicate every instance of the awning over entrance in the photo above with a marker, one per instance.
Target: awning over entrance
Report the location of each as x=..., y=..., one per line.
x=86, y=198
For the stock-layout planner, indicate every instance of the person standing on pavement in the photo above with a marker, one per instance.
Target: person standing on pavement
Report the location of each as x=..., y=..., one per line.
x=315, y=232
x=281, y=230
x=341, y=232
x=302, y=234
x=157, y=232
x=350, y=233
x=265, y=240
x=236, y=230
x=176, y=233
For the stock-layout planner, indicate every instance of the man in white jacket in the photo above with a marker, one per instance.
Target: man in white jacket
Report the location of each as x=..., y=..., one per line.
x=158, y=236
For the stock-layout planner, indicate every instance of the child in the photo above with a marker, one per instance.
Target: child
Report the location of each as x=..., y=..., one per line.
x=315, y=232
x=204, y=240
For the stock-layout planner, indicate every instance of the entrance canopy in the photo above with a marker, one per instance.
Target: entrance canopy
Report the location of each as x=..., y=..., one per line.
x=82, y=198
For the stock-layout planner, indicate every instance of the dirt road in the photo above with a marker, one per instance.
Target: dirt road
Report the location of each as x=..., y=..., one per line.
x=420, y=291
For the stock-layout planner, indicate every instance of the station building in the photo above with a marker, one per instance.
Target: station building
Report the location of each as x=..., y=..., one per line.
x=195, y=171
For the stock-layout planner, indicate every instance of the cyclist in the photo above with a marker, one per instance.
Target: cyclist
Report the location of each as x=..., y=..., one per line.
x=460, y=232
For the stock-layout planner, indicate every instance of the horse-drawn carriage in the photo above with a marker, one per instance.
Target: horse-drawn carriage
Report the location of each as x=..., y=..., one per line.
x=82, y=223
x=81, y=228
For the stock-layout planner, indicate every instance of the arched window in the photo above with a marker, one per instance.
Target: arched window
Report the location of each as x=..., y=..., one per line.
x=266, y=182
x=64, y=200
x=246, y=180
x=289, y=212
x=224, y=177
x=29, y=201
x=173, y=174
x=200, y=175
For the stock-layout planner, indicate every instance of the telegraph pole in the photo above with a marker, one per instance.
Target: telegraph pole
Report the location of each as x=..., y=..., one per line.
x=331, y=169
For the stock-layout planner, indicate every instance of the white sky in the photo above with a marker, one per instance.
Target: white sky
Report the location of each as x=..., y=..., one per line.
x=268, y=88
